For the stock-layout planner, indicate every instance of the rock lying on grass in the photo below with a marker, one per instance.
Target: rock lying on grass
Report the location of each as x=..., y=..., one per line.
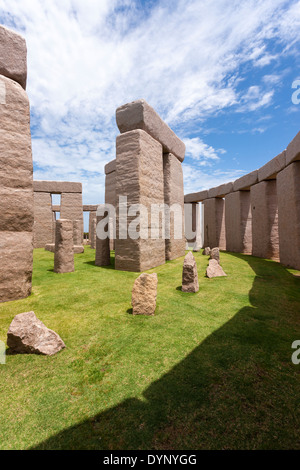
x=28, y=335
x=214, y=269
x=144, y=294
x=189, y=274
x=206, y=251
x=215, y=254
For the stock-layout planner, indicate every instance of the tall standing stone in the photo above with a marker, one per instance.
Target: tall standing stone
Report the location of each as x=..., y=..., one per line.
x=43, y=220
x=71, y=207
x=288, y=194
x=93, y=233
x=64, y=249
x=16, y=189
x=264, y=208
x=139, y=177
x=214, y=223
x=102, y=257
x=174, y=200
x=189, y=274
x=238, y=221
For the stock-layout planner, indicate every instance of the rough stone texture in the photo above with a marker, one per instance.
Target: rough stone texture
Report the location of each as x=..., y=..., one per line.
x=16, y=193
x=173, y=194
x=43, y=220
x=246, y=181
x=214, y=223
x=57, y=187
x=220, y=191
x=215, y=254
x=190, y=215
x=90, y=207
x=110, y=167
x=189, y=274
x=206, y=251
x=50, y=247
x=196, y=197
x=274, y=166
x=139, y=115
x=78, y=237
x=93, y=233
x=264, y=207
x=28, y=335
x=144, y=294
x=214, y=269
x=238, y=221
x=92, y=217
x=139, y=177
x=288, y=194
x=71, y=208
x=102, y=257
x=77, y=248
x=293, y=150
x=64, y=251
x=13, y=56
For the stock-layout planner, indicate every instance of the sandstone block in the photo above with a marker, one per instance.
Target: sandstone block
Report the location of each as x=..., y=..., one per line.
x=288, y=195
x=57, y=187
x=214, y=223
x=71, y=208
x=189, y=274
x=43, y=220
x=196, y=197
x=238, y=221
x=206, y=251
x=214, y=269
x=293, y=150
x=110, y=167
x=215, y=254
x=93, y=233
x=245, y=182
x=139, y=115
x=64, y=251
x=274, y=166
x=220, y=191
x=144, y=294
x=102, y=257
x=28, y=335
x=13, y=56
x=264, y=208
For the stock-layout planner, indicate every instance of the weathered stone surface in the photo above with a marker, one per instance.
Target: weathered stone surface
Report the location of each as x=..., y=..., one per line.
x=214, y=269
x=90, y=207
x=57, y=187
x=139, y=115
x=274, y=166
x=43, y=220
x=77, y=232
x=28, y=335
x=64, y=251
x=110, y=167
x=139, y=177
x=50, y=247
x=220, y=191
x=16, y=192
x=174, y=199
x=238, y=221
x=206, y=251
x=214, y=223
x=246, y=181
x=293, y=150
x=102, y=257
x=215, y=254
x=264, y=208
x=93, y=233
x=189, y=274
x=288, y=195
x=13, y=56
x=16, y=265
x=71, y=208
x=76, y=248
x=196, y=197
x=144, y=294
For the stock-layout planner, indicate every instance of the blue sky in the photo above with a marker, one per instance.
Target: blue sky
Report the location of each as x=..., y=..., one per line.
x=219, y=72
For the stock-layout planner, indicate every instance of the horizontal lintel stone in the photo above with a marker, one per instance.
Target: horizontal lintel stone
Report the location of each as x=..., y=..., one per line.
x=220, y=191
x=56, y=187
x=245, y=182
x=274, y=166
x=196, y=197
x=293, y=150
x=110, y=167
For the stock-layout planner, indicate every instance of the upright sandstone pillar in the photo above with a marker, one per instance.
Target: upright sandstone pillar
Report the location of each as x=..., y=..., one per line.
x=71, y=207
x=238, y=222
x=16, y=190
x=64, y=250
x=92, y=217
x=288, y=194
x=264, y=208
x=139, y=177
x=43, y=220
x=110, y=197
x=214, y=223
x=174, y=196
x=102, y=257
x=93, y=233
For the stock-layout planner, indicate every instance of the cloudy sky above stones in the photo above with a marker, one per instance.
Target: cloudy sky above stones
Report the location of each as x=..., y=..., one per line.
x=219, y=72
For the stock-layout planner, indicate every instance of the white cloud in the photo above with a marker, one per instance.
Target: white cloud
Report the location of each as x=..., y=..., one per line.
x=203, y=153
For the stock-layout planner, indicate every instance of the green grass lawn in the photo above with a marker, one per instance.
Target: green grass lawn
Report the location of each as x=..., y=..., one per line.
x=210, y=370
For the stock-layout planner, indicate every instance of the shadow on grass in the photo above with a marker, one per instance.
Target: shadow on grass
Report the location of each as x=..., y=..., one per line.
x=237, y=389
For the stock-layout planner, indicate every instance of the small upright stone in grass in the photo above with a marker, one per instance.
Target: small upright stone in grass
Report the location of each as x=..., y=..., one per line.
x=215, y=254
x=189, y=274
x=206, y=251
x=28, y=335
x=144, y=294
x=214, y=269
